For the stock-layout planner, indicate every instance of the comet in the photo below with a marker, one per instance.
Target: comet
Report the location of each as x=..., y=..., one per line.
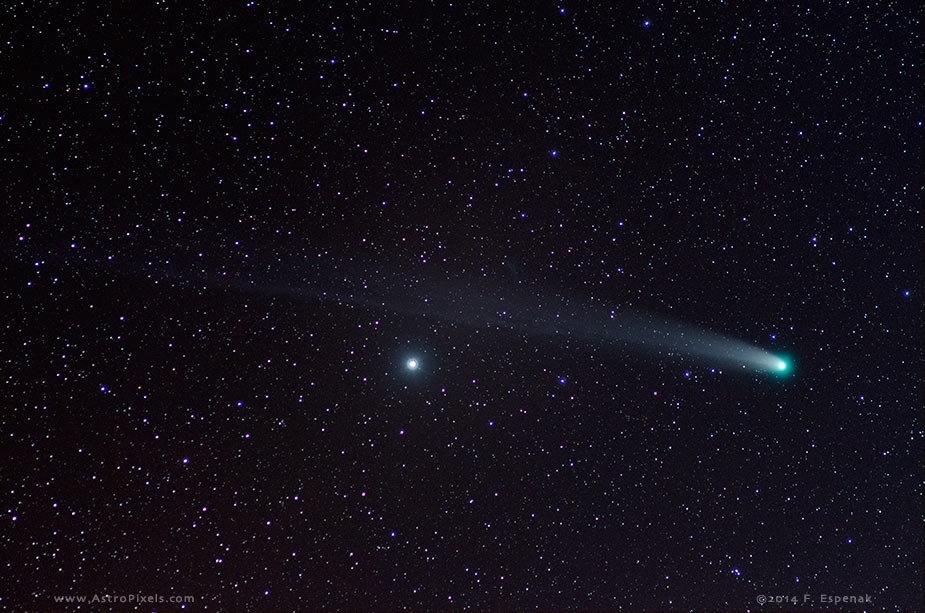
x=527, y=310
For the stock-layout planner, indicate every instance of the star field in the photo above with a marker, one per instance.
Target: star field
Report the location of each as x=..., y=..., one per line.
x=301, y=305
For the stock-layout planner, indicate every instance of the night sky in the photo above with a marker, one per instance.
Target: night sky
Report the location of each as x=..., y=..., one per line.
x=360, y=306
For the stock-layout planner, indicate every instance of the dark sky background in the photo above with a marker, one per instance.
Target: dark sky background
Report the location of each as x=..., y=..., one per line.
x=228, y=228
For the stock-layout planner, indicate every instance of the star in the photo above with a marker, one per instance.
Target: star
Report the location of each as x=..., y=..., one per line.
x=412, y=364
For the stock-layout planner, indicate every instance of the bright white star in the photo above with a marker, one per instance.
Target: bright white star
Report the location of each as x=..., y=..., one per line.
x=412, y=364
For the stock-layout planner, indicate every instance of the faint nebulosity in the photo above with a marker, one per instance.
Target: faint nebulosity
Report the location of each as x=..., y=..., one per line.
x=308, y=306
